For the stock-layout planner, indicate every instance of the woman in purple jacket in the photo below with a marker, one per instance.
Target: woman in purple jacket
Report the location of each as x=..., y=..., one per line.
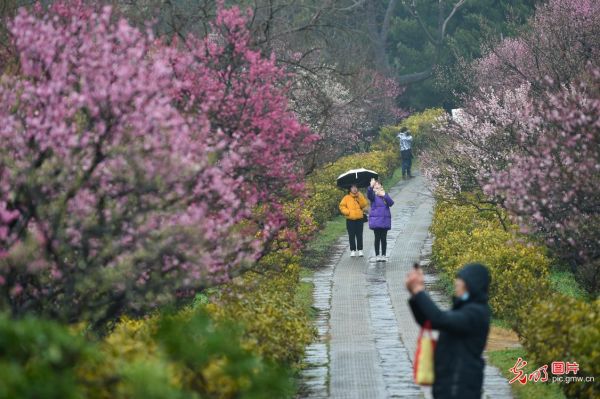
x=380, y=217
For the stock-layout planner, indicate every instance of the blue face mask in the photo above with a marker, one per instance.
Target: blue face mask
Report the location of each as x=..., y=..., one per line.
x=465, y=296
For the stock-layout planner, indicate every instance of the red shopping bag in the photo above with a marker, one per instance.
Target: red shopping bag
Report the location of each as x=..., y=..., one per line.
x=424, y=357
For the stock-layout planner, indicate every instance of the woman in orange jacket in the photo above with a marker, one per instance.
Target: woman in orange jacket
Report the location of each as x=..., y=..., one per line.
x=352, y=207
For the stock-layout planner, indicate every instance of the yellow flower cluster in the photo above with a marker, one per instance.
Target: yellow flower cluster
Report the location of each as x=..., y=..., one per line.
x=519, y=267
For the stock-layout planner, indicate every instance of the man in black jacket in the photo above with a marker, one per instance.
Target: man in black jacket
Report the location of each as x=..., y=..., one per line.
x=463, y=331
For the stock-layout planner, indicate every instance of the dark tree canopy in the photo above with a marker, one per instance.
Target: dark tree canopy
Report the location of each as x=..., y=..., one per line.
x=435, y=38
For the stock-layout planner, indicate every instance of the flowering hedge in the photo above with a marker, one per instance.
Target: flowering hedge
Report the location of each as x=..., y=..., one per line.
x=519, y=268
x=561, y=328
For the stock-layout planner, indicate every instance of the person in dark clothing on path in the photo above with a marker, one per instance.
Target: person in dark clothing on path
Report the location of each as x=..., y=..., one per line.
x=380, y=218
x=406, y=151
x=463, y=331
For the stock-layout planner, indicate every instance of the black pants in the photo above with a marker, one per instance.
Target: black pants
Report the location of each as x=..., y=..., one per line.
x=406, y=156
x=355, y=234
x=380, y=239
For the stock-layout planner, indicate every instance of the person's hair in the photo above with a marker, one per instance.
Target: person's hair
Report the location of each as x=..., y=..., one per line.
x=350, y=188
x=404, y=129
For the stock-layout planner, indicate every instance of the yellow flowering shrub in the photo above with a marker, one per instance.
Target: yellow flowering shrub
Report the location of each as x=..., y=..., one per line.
x=518, y=267
x=552, y=326
x=421, y=122
x=562, y=328
x=130, y=345
x=275, y=326
x=185, y=355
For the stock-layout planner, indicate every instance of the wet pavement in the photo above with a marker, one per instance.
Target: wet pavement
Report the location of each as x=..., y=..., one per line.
x=367, y=336
x=393, y=355
x=315, y=376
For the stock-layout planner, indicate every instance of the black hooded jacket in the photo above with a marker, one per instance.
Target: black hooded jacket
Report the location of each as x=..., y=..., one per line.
x=463, y=334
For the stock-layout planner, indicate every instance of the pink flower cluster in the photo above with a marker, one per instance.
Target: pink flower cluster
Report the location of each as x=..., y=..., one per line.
x=132, y=171
x=529, y=136
x=553, y=184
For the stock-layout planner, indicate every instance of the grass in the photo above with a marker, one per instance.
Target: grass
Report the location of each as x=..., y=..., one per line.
x=505, y=359
x=501, y=324
x=564, y=282
x=318, y=249
x=316, y=254
x=304, y=293
x=393, y=179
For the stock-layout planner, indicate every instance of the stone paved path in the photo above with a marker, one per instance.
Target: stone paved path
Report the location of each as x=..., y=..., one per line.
x=367, y=333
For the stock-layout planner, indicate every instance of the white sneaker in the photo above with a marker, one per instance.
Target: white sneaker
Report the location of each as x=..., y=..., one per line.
x=383, y=258
x=378, y=258
x=360, y=253
x=352, y=254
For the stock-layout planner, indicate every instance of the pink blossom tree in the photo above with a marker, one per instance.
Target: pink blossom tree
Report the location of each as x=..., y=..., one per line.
x=343, y=99
x=343, y=112
x=562, y=37
x=552, y=186
x=561, y=40
x=132, y=172
x=463, y=151
x=527, y=139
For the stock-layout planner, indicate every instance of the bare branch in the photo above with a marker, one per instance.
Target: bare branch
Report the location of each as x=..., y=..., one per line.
x=438, y=42
x=386, y=20
x=454, y=9
x=415, y=77
x=354, y=6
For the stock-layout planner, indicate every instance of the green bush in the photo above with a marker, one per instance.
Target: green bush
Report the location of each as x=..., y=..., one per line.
x=563, y=328
x=214, y=365
x=518, y=268
x=38, y=359
x=149, y=380
x=187, y=354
